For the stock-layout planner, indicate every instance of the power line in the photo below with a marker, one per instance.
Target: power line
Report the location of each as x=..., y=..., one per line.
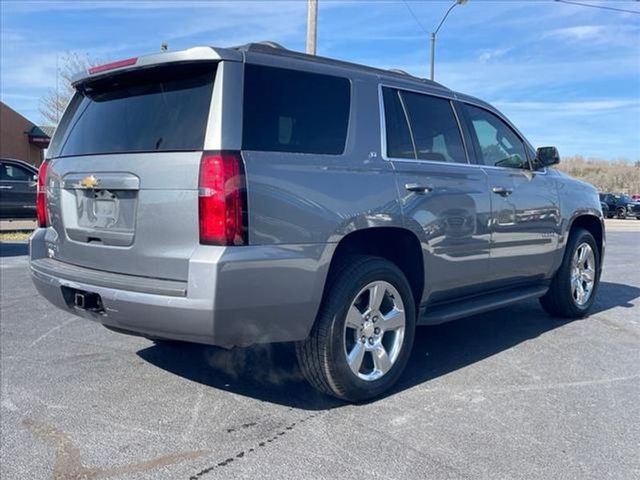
x=602, y=7
x=415, y=17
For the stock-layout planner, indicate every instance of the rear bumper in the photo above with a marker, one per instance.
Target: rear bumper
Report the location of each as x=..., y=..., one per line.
x=234, y=296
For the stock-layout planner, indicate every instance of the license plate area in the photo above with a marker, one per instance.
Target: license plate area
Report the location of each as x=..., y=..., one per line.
x=105, y=209
x=101, y=216
x=100, y=208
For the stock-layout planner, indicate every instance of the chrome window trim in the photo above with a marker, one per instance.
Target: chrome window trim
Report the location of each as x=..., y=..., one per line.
x=383, y=134
x=453, y=97
x=383, y=127
x=383, y=124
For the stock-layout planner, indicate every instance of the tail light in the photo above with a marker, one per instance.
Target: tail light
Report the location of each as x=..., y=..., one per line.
x=41, y=199
x=222, y=199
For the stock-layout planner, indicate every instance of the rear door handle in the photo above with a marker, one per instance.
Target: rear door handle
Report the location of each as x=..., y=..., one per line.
x=5, y=187
x=417, y=188
x=502, y=191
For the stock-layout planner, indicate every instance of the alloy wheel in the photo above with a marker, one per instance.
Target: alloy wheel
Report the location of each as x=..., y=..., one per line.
x=583, y=274
x=374, y=330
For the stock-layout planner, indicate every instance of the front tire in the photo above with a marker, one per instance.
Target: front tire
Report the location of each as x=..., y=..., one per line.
x=573, y=289
x=362, y=337
x=621, y=213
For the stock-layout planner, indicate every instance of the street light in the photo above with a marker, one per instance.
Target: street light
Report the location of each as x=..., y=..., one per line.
x=435, y=32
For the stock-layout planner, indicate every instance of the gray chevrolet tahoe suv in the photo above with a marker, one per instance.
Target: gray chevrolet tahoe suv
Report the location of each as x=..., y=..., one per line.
x=254, y=194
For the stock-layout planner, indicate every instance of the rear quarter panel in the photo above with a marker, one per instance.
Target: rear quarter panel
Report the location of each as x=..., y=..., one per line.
x=298, y=198
x=299, y=207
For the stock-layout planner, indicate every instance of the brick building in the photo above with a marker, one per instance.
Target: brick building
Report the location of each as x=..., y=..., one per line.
x=20, y=138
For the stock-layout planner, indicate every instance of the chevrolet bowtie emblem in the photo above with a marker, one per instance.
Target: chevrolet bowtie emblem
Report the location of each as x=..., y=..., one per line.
x=89, y=182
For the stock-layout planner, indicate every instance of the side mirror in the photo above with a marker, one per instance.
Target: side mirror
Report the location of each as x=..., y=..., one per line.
x=547, y=156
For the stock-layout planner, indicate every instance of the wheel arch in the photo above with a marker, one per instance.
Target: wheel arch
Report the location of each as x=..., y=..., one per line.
x=396, y=244
x=594, y=225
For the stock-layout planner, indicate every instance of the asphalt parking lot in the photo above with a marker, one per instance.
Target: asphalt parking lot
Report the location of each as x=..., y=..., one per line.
x=508, y=394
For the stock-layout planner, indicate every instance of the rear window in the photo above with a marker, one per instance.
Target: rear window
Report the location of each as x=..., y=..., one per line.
x=294, y=111
x=156, y=109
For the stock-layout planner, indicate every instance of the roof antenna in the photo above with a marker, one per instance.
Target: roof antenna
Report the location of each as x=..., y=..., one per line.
x=164, y=47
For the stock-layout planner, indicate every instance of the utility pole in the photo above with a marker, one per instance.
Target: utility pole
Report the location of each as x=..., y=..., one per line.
x=312, y=26
x=433, y=56
x=435, y=32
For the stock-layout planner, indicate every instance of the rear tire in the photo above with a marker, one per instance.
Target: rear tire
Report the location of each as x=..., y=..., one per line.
x=568, y=295
x=352, y=353
x=621, y=213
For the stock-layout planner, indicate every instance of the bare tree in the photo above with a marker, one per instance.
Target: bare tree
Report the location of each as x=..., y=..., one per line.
x=619, y=176
x=53, y=103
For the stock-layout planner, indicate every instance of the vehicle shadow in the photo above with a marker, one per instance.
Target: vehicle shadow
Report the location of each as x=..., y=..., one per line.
x=13, y=249
x=611, y=295
x=270, y=372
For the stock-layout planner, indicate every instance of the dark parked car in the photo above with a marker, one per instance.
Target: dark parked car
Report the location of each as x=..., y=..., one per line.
x=619, y=206
x=17, y=189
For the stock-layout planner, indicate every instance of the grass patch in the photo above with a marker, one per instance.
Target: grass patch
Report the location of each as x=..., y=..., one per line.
x=14, y=236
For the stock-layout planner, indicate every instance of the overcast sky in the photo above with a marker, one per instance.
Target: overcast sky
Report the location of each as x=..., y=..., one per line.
x=566, y=75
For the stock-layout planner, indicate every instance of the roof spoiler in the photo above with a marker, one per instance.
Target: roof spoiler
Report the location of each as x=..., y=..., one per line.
x=196, y=54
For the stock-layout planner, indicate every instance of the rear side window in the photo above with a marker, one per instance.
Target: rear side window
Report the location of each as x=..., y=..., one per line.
x=399, y=142
x=434, y=127
x=294, y=111
x=421, y=127
x=156, y=109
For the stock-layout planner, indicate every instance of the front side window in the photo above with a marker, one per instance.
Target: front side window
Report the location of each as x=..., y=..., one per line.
x=294, y=111
x=13, y=173
x=497, y=144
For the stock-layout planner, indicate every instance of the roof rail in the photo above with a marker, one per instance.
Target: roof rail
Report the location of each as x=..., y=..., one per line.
x=274, y=48
x=401, y=72
x=265, y=45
